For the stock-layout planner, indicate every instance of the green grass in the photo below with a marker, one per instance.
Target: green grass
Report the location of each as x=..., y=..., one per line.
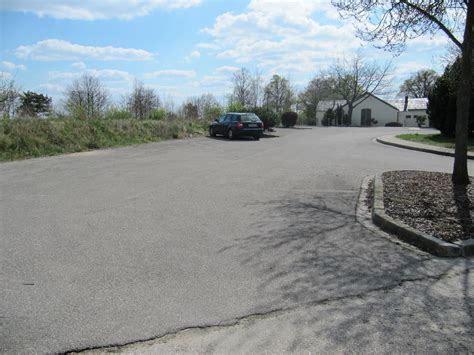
x=28, y=138
x=434, y=139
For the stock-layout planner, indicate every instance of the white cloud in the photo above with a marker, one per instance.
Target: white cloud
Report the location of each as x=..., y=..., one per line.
x=12, y=66
x=93, y=9
x=226, y=69
x=282, y=35
x=79, y=65
x=208, y=45
x=56, y=49
x=170, y=73
x=193, y=55
x=104, y=74
x=52, y=88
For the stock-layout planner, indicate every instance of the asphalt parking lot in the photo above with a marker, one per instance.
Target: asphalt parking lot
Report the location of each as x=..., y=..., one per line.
x=115, y=246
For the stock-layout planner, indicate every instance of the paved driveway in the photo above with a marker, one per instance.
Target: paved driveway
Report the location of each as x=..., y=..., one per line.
x=114, y=246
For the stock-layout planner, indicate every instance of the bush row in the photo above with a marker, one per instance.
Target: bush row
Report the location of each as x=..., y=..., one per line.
x=24, y=138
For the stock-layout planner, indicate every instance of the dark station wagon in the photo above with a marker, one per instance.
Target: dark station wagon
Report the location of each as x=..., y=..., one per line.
x=237, y=124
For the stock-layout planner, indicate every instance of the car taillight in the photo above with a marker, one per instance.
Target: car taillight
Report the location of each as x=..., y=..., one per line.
x=239, y=125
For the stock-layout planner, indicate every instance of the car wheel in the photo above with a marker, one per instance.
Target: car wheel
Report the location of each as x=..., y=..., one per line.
x=257, y=138
x=211, y=132
x=230, y=134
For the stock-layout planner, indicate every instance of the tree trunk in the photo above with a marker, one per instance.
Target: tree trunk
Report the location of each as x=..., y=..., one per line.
x=349, y=113
x=460, y=171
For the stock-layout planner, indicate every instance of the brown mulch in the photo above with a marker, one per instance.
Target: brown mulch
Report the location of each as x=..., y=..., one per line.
x=427, y=201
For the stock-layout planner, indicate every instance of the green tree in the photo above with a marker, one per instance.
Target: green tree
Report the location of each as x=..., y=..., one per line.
x=33, y=104
x=319, y=88
x=391, y=24
x=442, y=101
x=419, y=84
x=279, y=95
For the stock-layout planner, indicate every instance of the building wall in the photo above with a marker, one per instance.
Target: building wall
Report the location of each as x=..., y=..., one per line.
x=408, y=119
x=380, y=111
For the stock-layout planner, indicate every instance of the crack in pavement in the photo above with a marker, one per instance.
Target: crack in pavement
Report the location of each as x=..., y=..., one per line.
x=271, y=313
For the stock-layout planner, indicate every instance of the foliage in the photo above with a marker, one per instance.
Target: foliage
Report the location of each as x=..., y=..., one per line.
x=419, y=84
x=442, y=101
x=190, y=111
x=268, y=117
x=393, y=124
x=420, y=120
x=341, y=117
x=235, y=107
x=142, y=101
x=25, y=138
x=8, y=96
x=115, y=113
x=157, y=114
x=279, y=95
x=33, y=104
x=318, y=89
x=289, y=119
x=329, y=117
x=86, y=98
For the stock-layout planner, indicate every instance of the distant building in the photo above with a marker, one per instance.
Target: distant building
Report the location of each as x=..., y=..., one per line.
x=371, y=110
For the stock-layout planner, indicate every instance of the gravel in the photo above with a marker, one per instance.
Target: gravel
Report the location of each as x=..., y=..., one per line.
x=427, y=201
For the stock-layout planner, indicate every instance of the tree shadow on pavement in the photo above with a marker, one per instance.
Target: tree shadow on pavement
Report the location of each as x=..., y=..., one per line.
x=310, y=250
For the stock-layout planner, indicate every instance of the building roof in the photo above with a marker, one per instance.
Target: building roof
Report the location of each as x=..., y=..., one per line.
x=413, y=104
x=399, y=104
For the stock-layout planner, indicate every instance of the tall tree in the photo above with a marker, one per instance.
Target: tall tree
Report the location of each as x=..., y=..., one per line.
x=9, y=95
x=34, y=104
x=242, y=82
x=419, y=84
x=142, y=101
x=390, y=24
x=278, y=94
x=86, y=98
x=319, y=88
x=356, y=77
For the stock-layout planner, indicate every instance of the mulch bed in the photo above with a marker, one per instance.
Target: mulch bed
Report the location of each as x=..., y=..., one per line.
x=427, y=201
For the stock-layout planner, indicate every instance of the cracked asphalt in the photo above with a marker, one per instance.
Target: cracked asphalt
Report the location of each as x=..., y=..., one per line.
x=209, y=245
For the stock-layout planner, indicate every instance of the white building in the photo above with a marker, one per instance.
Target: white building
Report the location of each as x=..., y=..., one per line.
x=370, y=110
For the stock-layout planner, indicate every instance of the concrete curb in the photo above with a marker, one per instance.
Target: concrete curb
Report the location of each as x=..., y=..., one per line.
x=400, y=143
x=406, y=233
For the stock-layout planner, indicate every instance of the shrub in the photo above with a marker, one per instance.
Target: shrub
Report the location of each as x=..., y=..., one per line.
x=393, y=124
x=289, y=119
x=117, y=114
x=268, y=117
x=157, y=114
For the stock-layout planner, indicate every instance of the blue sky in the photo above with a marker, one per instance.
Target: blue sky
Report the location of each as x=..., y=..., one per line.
x=183, y=48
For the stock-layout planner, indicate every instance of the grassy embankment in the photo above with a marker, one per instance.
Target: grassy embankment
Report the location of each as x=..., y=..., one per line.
x=27, y=138
x=434, y=139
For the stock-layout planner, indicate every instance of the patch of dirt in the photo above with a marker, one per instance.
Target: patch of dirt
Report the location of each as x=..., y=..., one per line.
x=429, y=202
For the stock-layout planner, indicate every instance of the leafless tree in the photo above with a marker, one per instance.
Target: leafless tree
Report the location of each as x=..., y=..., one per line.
x=391, y=24
x=9, y=96
x=142, y=101
x=279, y=95
x=356, y=77
x=242, y=82
x=256, y=89
x=419, y=84
x=86, y=98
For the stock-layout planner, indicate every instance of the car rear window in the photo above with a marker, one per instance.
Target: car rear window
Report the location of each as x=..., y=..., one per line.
x=249, y=118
